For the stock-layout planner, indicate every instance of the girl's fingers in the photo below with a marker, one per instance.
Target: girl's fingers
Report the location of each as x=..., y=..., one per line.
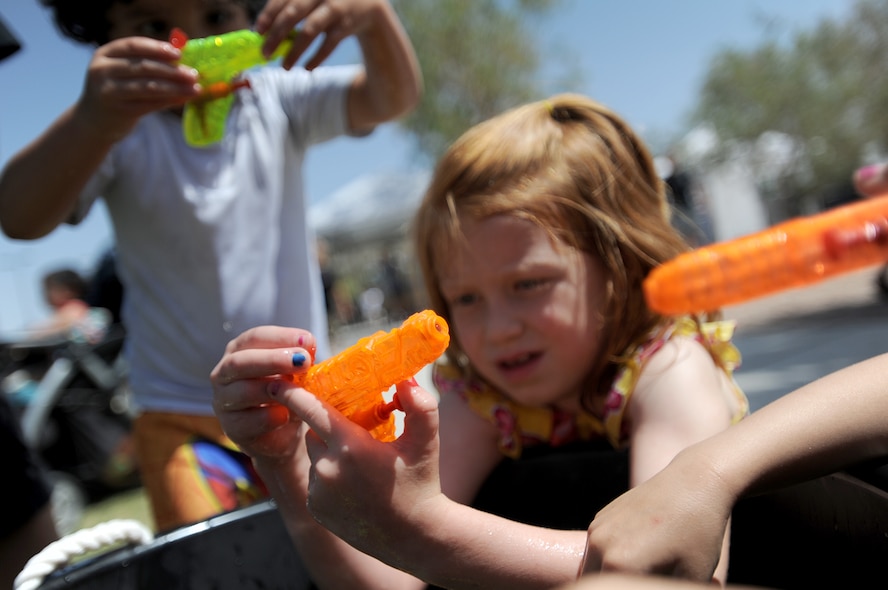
x=323, y=420
x=272, y=337
x=420, y=412
x=871, y=180
x=259, y=363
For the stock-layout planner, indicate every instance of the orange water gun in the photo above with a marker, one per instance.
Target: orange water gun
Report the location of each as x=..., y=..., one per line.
x=354, y=380
x=798, y=252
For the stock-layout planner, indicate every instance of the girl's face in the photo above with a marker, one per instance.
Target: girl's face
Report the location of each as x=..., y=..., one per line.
x=157, y=18
x=525, y=309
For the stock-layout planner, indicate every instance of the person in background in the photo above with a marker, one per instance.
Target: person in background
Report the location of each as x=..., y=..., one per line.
x=209, y=241
x=104, y=287
x=26, y=521
x=534, y=237
x=64, y=291
x=72, y=320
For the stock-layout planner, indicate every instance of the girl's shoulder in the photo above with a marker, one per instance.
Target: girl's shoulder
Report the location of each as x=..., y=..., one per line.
x=692, y=358
x=683, y=337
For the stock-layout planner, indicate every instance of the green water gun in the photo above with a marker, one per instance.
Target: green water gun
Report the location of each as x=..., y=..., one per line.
x=219, y=61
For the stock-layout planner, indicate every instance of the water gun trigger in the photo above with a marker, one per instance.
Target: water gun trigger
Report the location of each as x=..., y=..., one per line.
x=178, y=38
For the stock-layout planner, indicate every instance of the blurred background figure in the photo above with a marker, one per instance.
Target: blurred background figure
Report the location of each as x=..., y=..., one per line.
x=26, y=522
x=681, y=192
x=372, y=302
x=105, y=290
x=65, y=293
x=395, y=286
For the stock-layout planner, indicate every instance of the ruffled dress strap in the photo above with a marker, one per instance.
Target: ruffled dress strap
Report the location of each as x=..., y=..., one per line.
x=518, y=425
x=521, y=426
x=714, y=336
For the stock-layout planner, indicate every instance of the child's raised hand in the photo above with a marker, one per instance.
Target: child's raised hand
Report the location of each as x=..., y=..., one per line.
x=131, y=77
x=245, y=382
x=334, y=19
x=360, y=487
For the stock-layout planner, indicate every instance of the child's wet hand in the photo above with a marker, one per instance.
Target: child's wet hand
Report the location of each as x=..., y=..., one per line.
x=247, y=382
x=358, y=484
x=672, y=524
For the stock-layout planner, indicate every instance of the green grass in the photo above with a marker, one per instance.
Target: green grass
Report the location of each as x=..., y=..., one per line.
x=130, y=504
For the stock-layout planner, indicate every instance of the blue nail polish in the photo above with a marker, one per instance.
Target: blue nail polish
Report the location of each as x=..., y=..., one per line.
x=298, y=359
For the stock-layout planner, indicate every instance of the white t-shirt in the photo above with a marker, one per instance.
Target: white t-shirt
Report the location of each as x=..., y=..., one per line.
x=212, y=241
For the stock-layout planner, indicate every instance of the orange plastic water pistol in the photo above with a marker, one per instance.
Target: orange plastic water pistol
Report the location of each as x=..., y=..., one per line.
x=354, y=380
x=795, y=253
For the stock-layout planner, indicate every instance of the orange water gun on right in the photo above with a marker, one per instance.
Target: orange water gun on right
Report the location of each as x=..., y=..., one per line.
x=798, y=252
x=354, y=380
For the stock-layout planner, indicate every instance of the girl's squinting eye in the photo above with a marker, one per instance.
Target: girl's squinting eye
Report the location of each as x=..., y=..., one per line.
x=463, y=299
x=529, y=284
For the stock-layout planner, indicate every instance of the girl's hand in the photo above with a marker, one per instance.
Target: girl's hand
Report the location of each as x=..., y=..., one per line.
x=672, y=524
x=245, y=384
x=334, y=19
x=367, y=492
x=131, y=77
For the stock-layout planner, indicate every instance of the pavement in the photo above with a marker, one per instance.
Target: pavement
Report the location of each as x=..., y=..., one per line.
x=852, y=290
x=796, y=336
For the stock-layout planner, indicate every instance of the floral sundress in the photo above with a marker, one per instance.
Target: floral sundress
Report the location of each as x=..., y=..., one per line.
x=520, y=426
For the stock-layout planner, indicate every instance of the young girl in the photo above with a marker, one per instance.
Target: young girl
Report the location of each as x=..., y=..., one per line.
x=534, y=238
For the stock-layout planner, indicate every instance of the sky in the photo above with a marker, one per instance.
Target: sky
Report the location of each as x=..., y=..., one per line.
x=646, y=59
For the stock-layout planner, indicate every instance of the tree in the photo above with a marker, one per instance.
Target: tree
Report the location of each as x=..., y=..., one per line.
x=824, y=90
x=478, y=58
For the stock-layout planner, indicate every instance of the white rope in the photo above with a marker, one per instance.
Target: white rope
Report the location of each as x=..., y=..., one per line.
x=60, y=553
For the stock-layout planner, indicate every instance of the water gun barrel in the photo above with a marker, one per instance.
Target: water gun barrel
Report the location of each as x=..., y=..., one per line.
x=223, y=57
x=354, y=380
x=795, y=253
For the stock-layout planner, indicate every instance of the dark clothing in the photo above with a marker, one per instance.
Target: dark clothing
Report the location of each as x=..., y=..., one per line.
x=680, y=189
x=28, y=490
x=105, y=289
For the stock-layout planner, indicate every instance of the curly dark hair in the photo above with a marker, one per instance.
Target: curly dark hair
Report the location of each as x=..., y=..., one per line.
x=85, y=21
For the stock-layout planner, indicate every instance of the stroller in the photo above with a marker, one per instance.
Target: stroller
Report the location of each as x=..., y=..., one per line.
x=76, y=415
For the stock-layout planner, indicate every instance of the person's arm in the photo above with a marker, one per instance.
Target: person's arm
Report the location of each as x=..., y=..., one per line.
x=675, y=522
x=246, y=385
x=681, y=398
x=391, y=84
x=126, y=79
x=385, y=499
